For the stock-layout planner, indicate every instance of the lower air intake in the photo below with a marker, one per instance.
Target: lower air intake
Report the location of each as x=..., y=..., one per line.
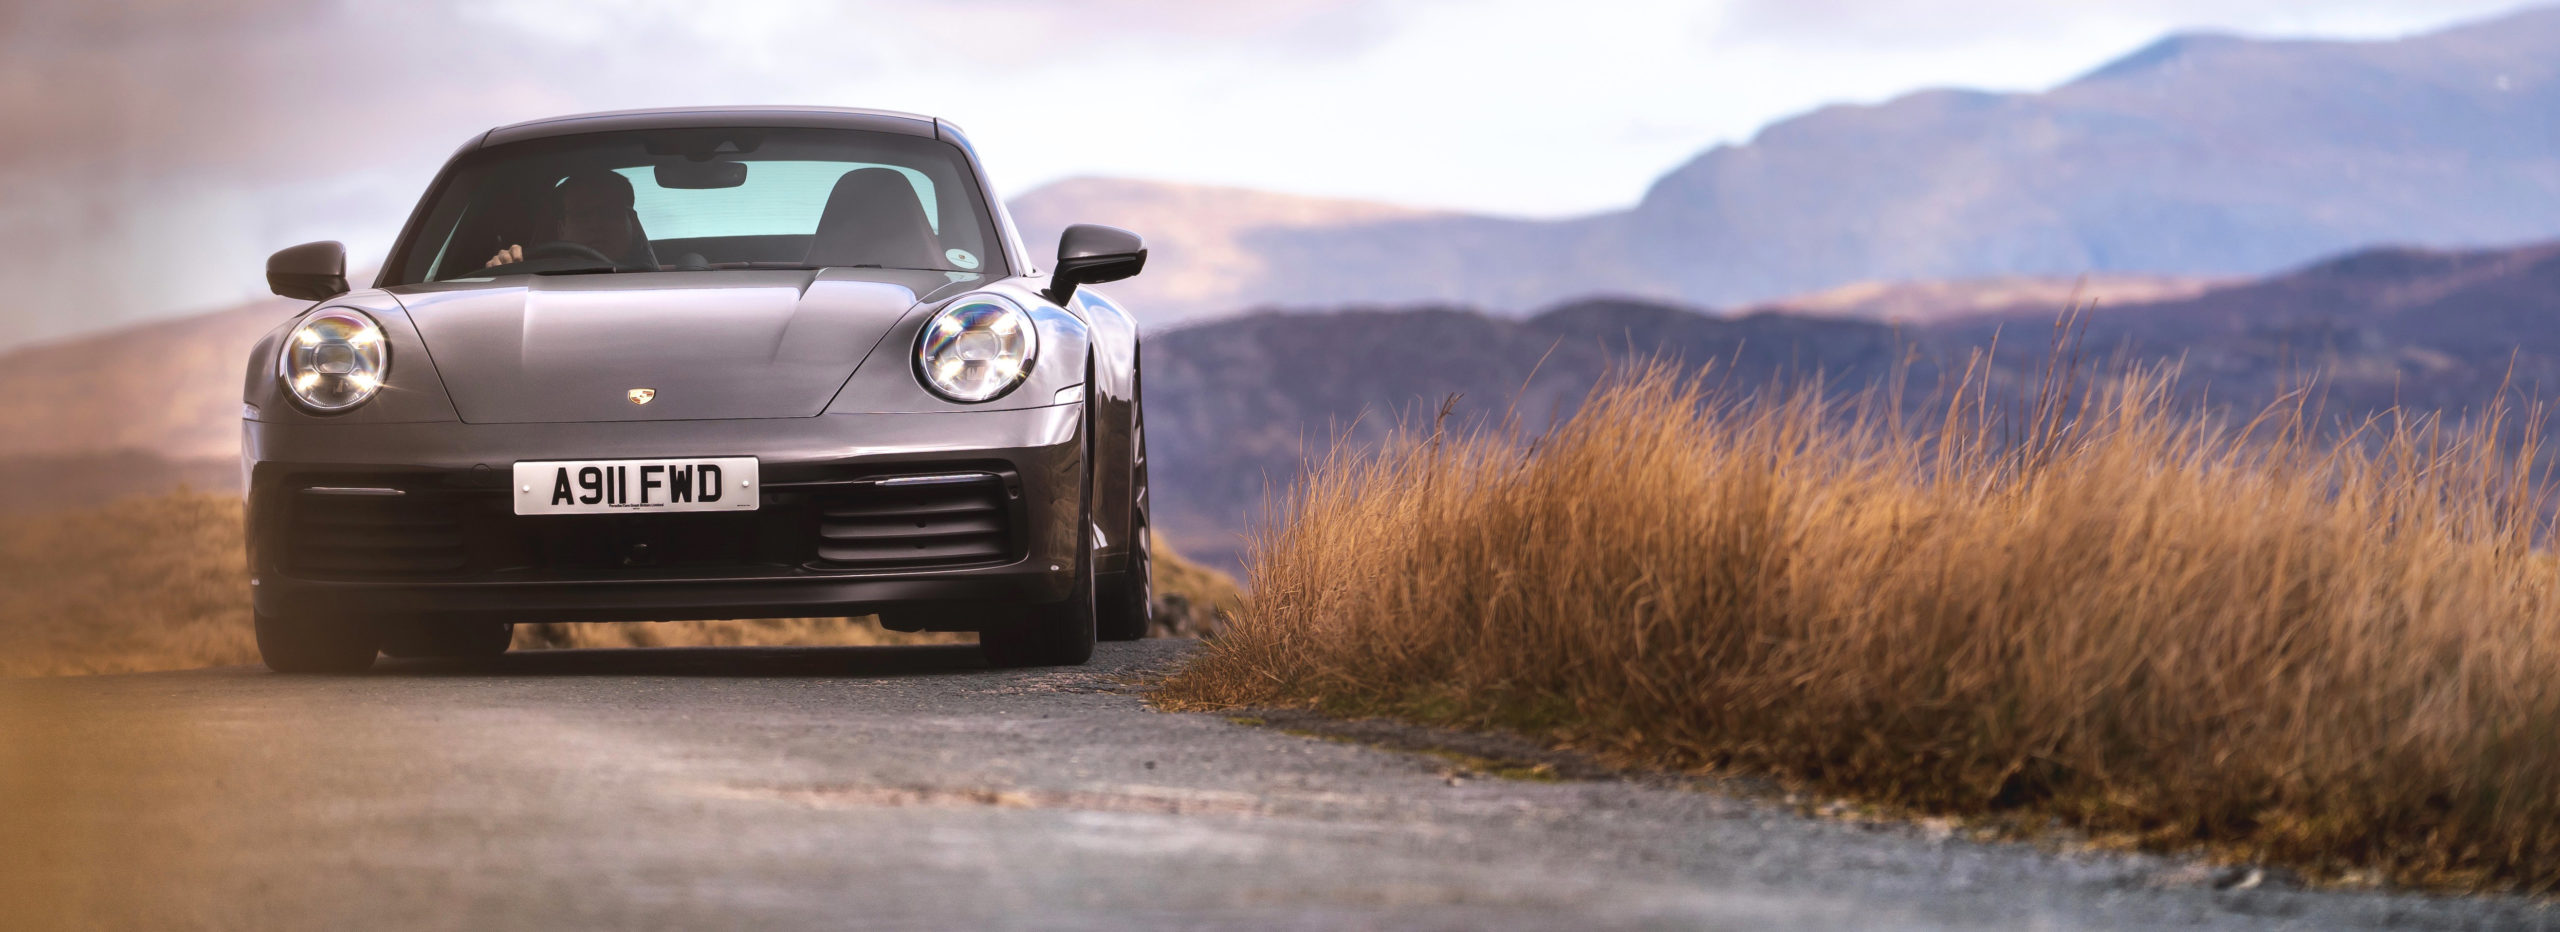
x=954, y=520
x=373, y=532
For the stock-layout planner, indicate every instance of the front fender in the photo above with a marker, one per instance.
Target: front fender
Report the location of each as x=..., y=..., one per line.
x=1114, y=396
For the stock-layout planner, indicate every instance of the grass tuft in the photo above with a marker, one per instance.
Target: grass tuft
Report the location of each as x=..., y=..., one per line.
x=2340, y=653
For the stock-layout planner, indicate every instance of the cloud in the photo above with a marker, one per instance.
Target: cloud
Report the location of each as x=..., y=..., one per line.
x=159, y=149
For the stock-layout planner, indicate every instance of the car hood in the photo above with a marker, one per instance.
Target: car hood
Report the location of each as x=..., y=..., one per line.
x=699, y=345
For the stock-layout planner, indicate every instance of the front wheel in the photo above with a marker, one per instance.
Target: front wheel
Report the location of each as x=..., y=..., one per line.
x=1055, y=635
x=301, y=645
x=1128, y=606
x=1059, y=634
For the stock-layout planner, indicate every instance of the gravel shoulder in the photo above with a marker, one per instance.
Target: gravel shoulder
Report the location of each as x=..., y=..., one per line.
x=909, y=787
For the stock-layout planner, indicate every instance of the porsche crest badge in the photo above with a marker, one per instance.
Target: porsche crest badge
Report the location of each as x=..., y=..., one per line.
x=642, y=396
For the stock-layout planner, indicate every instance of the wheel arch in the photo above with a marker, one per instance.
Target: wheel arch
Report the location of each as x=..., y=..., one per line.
x=1112, y=392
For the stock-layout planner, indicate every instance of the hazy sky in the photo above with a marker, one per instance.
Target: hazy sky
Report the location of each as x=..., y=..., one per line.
x=159, y=150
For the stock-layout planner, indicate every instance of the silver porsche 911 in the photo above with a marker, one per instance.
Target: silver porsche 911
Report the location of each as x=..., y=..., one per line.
x=702, y=363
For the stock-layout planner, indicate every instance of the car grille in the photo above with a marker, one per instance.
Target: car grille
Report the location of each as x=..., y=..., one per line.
x=374, y=531
x=359, y=527
x=921, y=521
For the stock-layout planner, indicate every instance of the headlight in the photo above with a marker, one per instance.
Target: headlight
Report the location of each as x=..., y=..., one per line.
x=977, y=349
x=335, y=360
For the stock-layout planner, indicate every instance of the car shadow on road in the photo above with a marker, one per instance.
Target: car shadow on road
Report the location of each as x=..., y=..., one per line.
x=911, y=660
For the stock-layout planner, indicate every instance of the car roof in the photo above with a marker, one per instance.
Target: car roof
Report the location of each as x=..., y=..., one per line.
x=680, y=117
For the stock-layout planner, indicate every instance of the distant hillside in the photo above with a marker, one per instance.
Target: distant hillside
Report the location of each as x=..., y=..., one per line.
x=171, y=387
x=1936, y=301
x=2424, y=328
x=2200, y=155
x=1239, y=406
x=140, y=408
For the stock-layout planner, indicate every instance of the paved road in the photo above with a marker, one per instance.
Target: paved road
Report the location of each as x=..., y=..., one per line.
x=910, y=788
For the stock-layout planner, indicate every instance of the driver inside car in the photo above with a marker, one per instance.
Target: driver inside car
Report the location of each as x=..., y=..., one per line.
x=595, y=213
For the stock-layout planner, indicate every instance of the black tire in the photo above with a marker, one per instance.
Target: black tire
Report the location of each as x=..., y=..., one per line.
x=1128, y=601
x=295, y=645
x=450, y=641
x=1054, y=635
x=1059, y=634
x=1129, y=610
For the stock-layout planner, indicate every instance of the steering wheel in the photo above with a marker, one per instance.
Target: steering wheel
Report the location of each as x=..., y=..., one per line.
x=564, y=249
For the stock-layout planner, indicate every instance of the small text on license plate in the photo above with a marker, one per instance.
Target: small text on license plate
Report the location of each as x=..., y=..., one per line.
x=577, y=487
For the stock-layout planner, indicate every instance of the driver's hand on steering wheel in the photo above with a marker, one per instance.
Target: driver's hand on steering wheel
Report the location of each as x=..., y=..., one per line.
x=508, y=256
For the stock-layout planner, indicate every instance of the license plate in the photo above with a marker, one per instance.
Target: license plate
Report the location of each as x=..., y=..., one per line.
x=587, y=487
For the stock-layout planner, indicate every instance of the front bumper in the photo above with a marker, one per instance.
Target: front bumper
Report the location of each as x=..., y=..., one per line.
x=489, y=564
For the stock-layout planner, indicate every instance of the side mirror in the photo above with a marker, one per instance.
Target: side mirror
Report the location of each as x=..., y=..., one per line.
x=1090, y=253
x=311, y=271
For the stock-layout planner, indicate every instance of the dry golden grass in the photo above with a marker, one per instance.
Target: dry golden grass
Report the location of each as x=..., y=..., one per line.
x=160, y=583
x=2343, y=655
x=155, y=583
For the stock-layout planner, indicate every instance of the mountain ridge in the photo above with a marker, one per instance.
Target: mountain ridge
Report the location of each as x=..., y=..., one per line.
x=2200, y=155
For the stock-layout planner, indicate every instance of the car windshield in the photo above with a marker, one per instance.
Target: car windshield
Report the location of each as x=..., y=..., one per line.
x=703, y=198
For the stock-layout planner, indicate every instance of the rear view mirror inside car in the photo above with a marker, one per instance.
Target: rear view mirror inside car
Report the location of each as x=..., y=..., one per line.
x=704, y=174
